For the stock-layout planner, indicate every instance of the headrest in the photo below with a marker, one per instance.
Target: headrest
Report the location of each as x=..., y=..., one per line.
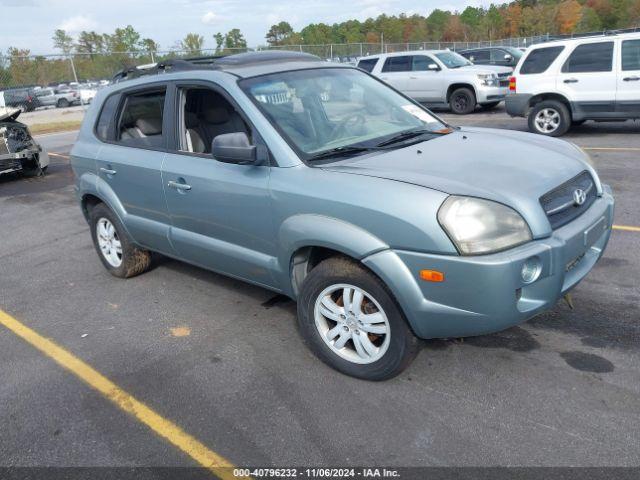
x=191, y=120
x=216, y=115
x=149, y=126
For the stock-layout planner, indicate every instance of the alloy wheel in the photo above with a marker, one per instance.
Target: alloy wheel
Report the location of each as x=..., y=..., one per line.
x=352, y=323
x=547, y=120
x=109, y=242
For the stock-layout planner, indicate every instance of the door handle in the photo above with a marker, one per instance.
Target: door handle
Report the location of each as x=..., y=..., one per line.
x=571, y=80
x=178, y=185
x=108, y=171
x=631, y=79
x=413, y=78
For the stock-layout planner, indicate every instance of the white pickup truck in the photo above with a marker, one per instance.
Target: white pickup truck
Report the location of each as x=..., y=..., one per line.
x=441, y=78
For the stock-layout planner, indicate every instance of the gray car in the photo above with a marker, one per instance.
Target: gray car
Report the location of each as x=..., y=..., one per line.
x=319, y=182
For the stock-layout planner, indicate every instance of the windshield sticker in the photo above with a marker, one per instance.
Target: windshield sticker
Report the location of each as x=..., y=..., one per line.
x=419, y=113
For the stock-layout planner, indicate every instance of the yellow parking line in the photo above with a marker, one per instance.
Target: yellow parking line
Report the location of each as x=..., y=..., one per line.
x=620, y=149
x=220, y=466
x=628, y=228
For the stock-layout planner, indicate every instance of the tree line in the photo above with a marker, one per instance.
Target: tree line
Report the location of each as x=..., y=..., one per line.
x=98, y=55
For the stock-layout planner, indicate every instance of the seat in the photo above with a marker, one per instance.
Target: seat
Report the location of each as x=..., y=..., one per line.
x=195, y=143
x=218, y=117
x=149, y=129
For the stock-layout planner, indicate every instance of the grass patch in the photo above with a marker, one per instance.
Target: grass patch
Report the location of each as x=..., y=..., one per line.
x=51, y=127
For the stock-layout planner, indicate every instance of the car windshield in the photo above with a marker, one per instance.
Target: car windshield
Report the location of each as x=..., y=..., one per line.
x=514, y=52
x=453, y=59
x=323, y=109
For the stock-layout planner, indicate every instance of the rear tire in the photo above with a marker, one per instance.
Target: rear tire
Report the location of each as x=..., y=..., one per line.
x=117, y=252
x=550, y=118
x=374, y=342
x=462, y=101
x=63, y=103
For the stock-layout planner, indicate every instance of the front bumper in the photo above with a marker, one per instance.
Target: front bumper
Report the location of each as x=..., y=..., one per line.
x=491, y=94
x=485, y=294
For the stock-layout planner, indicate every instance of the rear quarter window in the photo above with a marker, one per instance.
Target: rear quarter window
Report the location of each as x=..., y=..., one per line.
x=368, y=64
x=107, y=116
x=540, y=59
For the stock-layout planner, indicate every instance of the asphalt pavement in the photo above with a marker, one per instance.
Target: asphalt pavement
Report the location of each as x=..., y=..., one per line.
x=224, y=362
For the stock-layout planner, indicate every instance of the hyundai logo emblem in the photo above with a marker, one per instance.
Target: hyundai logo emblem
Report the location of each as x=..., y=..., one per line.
x=579, y=197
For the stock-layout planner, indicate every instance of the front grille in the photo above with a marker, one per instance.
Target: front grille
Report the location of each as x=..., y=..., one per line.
x=569, y=200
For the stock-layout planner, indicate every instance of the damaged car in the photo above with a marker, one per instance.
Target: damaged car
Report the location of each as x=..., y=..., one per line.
x=19, y=152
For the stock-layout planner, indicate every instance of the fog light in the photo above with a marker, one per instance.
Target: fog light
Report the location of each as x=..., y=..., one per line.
x=531, y=270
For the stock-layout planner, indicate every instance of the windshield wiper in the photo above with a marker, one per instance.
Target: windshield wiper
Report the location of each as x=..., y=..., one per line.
x=406, y=135
x=342, y=151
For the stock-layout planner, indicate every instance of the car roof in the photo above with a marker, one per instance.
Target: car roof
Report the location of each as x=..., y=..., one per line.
x=595, y=38
x=400, y=54
x=243, y=65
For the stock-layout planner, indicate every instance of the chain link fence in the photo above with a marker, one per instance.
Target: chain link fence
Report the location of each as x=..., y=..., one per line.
x=21, y=77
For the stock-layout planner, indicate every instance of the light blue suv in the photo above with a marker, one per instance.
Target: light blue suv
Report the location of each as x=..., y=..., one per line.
x=322, y=183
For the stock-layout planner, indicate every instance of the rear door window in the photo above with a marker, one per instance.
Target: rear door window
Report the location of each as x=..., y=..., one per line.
x=631, y=55
x=367, y=64
x=480, y=56
x=140, y=120
x=397, y=64
x=590, y=57
x=540, y=59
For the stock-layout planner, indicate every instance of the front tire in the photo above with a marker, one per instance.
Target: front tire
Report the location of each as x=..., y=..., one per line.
x=116, y=250
x=351, y=321
x=550, y=118
x=63, y=103
x=462, y=101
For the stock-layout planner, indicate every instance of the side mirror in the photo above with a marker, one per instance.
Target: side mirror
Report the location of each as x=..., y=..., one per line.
x=433, y=66
x=472, y=58
x=233, y=148
x=508, y=57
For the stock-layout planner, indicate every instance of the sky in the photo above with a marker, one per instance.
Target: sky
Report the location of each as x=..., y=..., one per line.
x=167, y=22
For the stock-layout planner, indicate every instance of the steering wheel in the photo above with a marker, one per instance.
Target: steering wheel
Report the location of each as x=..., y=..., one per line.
x=353, y=121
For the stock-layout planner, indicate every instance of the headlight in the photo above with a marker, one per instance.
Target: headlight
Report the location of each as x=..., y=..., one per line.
x=489, y=79
x=481, y=226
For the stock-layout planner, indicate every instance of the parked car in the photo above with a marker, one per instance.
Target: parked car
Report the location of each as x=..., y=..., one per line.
x=67, y=97
x=441, y=78
x=87, y=93
x=46, y=97
x=567, y=82
x=502, y=56
x=318, y=181
x=24, y=99
x=19, y=152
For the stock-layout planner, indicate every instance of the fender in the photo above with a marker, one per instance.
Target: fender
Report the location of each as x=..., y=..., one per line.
x=311, y=230
x=91, y=184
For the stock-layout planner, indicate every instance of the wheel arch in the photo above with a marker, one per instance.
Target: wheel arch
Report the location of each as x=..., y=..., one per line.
x=307, y=239
x=454, y=86
x=541, y=97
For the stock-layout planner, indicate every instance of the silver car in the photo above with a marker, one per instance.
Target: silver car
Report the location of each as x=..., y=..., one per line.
x=319, y=182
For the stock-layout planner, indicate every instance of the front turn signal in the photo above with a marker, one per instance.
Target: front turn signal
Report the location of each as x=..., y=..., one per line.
x=431, y=276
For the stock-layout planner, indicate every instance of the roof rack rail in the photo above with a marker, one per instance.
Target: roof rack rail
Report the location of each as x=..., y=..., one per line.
x=213, y=62
x=174, y=65
x=603, y=33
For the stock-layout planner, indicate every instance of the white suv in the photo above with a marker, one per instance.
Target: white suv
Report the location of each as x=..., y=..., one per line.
x=563, y=83
x=441, y=77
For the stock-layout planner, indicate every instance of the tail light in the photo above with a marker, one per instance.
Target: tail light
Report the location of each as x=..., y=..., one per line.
x=29, y=98
x=512, y=84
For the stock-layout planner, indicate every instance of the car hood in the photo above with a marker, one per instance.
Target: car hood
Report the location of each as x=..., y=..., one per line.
x=513, y=168
x=485, y=69
x=8, y=114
